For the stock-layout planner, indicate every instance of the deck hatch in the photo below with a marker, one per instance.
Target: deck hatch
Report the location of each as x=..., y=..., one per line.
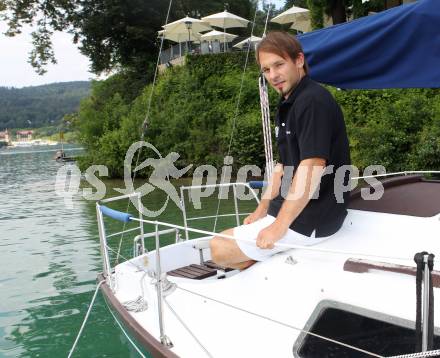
x=371, y=331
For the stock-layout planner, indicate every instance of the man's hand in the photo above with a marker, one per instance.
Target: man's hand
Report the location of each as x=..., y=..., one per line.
x=257, y=214
x=270, y=235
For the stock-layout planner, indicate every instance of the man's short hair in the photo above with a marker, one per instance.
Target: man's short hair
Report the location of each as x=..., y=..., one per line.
x=281, y=44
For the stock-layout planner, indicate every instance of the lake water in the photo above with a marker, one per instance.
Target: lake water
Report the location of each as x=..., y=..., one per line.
x=49, y=260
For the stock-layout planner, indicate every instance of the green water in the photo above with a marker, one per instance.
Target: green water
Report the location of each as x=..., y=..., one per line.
x=49, y=260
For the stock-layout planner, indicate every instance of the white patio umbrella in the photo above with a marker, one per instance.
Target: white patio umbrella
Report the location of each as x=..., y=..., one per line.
x=180, y=37
x=217, y=35
x=225, y=20
x=250, y=40
x=188, y=24
x=294, y=14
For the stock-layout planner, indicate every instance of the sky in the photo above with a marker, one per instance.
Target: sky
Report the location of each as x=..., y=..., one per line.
x=15, y=71
x=277, y=3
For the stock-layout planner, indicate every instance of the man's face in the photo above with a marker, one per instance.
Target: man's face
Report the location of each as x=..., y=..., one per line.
x=282, y=73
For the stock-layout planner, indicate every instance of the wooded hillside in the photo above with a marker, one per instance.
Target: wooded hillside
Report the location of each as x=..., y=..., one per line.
x=34, y=107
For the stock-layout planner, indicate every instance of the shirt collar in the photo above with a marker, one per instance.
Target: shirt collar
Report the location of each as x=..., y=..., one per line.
x=297, y=90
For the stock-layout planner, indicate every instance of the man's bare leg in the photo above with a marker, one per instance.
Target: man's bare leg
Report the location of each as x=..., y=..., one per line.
x=225, y=252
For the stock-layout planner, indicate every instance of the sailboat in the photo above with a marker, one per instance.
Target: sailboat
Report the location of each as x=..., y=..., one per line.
x=369, y=291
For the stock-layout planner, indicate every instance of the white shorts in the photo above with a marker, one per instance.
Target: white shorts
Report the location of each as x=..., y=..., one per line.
x=250, y=232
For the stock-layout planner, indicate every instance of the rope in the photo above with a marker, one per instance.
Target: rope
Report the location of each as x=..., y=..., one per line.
x=282, y=323
x=137, y=305
x=187, y=328
x=126, y=335
x=85, y=319
x=145, y=122
x=237, y=110
x=265, y=118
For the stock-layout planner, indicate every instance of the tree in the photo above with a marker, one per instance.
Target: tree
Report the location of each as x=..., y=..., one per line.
x=359, y=9
x=111, y=33
x=298, y=3
x=339, y=10
x=38, y=106
x=316, y=13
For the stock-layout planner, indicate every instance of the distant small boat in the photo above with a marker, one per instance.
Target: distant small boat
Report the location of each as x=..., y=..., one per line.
x=61, y=157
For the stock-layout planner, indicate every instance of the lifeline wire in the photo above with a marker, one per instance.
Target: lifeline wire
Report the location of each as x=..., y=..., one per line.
x=267, y=17
x=252, y=313
x=423, y=354
x=187, y=328
x=85, y=318
x=286, y=246
x=415, y=355
x=145, y=122
x=280, y=323
x=398, y=173
x=434, y=353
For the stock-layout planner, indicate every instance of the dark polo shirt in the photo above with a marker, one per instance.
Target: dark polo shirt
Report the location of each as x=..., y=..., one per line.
x=310, y=124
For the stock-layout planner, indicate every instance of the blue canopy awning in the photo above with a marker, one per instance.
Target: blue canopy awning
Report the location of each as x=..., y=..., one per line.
x=397, y=48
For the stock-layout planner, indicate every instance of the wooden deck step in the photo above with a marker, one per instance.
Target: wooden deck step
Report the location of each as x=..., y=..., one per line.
x=199, y=272
x=195, y=272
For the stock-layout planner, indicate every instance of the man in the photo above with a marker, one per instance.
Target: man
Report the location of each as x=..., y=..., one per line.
x=312, y=144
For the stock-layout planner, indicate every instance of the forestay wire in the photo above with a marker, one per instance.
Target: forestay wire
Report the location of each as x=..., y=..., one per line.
x=237, y=111
x=145, y=122
x=267, y=17
x=265, y=113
